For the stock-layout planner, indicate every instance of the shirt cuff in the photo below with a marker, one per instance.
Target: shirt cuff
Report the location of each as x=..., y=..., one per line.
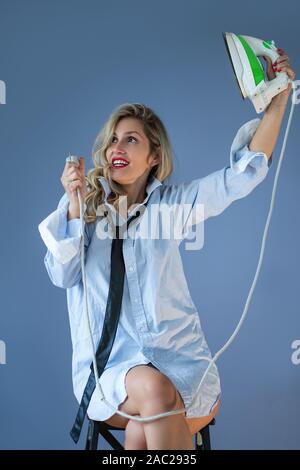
x=62, y=237
x=240, y=154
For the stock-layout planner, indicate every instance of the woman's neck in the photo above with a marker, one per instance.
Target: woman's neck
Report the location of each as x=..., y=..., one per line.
x=136, y=192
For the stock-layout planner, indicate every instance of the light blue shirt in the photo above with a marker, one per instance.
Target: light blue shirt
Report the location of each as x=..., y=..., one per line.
x=159, y=322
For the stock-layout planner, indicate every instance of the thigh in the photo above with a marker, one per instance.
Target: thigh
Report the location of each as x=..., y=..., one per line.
x=128, y=406
x=139, y=380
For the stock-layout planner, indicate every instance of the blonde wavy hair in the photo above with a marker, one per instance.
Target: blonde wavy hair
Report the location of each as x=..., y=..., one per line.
x=159, y=143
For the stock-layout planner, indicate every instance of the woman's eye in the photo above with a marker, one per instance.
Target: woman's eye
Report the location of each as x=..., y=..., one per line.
x=129, y=137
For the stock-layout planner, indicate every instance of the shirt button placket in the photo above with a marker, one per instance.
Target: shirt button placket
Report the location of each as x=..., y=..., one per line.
x=134, y=291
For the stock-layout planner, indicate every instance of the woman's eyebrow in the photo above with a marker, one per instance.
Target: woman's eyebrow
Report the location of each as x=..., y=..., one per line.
x=130, y=132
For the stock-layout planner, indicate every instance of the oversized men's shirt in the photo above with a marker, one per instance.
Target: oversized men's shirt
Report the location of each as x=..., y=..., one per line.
x=159, y=321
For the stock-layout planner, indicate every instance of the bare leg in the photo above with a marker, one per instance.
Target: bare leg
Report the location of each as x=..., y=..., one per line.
x=134, y=436
x=171, y=432
x=150, y=393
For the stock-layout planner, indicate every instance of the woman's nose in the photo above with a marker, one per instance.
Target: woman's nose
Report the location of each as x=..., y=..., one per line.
x=119, y=147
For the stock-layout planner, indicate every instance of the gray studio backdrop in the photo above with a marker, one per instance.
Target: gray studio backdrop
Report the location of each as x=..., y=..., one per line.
x=66, y=64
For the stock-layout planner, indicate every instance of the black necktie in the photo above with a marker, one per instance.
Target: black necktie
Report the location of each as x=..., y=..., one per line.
x=111, y=320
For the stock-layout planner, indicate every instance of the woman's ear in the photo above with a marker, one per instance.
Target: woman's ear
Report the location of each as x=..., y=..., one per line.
x=157, y=156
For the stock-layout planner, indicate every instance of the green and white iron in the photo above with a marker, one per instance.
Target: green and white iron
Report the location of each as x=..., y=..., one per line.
x=244, y=52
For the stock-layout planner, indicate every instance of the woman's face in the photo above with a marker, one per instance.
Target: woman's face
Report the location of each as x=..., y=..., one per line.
x=129, y=143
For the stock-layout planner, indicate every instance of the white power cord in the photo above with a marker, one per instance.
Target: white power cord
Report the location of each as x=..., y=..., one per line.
x=237, y=329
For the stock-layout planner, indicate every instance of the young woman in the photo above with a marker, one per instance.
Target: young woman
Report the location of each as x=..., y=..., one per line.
x=159, y=353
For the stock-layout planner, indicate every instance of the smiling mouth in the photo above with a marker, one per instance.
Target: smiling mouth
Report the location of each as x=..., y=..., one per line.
x=119, y=164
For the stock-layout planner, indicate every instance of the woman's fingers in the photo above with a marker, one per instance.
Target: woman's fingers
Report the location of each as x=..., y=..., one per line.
x=291, y=74
x=73, y=177
x=281, y=64
x=74, y=185
x=283, y=56
x=81, y=165
x=284, y=66
x=281, y=51
x=74, y=172
x=72, y=169
x=282, y=59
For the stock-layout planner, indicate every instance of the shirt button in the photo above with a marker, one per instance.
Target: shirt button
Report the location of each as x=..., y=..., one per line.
x=131, y=268
x=135, y=300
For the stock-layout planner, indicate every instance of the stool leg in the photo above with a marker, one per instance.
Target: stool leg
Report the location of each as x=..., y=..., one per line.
x=110, y=439
x=205, y=438
x=92, y=436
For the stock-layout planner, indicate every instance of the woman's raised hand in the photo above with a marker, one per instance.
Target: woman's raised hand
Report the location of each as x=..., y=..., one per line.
x=73, y=177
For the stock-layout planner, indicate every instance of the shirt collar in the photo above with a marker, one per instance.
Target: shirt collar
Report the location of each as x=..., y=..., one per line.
x=153, y=183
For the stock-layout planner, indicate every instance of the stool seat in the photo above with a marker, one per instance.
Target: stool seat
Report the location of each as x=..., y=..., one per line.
x=202, y=437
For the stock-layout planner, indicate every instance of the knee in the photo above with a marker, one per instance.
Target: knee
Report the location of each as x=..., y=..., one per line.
x=151, y=389
x=159, y=393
